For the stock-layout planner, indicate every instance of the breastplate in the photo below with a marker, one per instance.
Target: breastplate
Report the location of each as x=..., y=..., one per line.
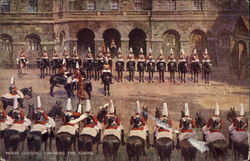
x=215, y=123
x=112, y=121
x=187, y=123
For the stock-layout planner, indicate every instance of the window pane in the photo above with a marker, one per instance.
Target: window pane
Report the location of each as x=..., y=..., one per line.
x=198, y=4
x=138, y=5
x=114, y=5
x=90, y=5
x=33, y=6
x=5, y=6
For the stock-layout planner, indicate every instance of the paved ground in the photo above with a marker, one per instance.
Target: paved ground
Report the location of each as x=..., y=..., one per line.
x=201, y=97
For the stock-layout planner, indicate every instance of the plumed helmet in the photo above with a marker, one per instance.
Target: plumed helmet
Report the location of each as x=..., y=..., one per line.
x=88, y=107
x=186, y=110
x=69, y=105
x=111, y=107
x=39, y=104
x=138, y=110
x=216, y=110
x=165, y=110
x=241, y=110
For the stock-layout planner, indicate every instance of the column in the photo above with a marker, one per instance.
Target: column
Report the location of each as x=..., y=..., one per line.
x=125, y=46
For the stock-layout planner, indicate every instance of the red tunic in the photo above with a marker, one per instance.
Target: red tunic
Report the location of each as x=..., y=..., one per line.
x=45, y=116
x=117, y=120
x=74, y=114
x=165, y=130
x=4, y=116
x=19, y=121
x=132, y=123
x=187, y=130
x=91, y=124
x=209, y=123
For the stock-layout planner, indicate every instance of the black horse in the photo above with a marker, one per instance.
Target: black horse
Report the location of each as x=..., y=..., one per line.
x=58, y=79
x=161, y=68
x=96, y=69
x=43, y=64
x=151, y=70
x=195, y=69
x=131, y=70
x=206, y=69
x=183, y=69
x=141, y=67
x=119, y=68
x=74, y=61
x=106, y=79
x=55, y=64
x=10, y=101
x=89, y=68
x=172, y=68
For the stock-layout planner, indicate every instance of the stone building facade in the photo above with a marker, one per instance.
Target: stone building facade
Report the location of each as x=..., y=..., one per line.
x=219, y=25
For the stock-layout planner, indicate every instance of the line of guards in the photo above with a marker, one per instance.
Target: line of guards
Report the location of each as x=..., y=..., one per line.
x=112, y=123
x=94, y=66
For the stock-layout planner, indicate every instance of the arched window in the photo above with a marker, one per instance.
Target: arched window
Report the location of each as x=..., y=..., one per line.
x=91, y=5
x=33, y=6
x=114, y=5
x=199, y=5
x=171, y=5
x=138, y=5
x=33, y=42
x=6, y=43
x=5, y=6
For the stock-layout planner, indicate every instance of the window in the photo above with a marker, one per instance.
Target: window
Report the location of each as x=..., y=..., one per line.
x=114, y=5
x=33, y=6
x=33, y=42
x=5, y=6
x=6, y=44
x=171, y=5
x=224, y=41
x=138, y=5
x=91, y=5
x=199, y=5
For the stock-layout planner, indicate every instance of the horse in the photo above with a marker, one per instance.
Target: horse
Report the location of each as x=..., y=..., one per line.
x=56, y=111
x=141, y=67
x=55, y=64
x=183, y=69
x=239, y=148
x=89, y=68
x=206, y=68
x=164, y=147
x=172, y=67
x=20, y=67
x=131, y=70
x=199, y=121
x=74, y=61
x=151, y=70
x=135, y=147
x=9, y=101
x=119, y=68
x=36, y=138
x=43, y=64
x=85, y=141
x=96, y=69
x=106, y=79
x=161, y=68
x=195, y=69
x=158, y=113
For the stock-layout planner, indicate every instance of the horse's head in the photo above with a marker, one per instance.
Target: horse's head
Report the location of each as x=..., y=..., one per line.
x=145, y=112
x=199, y=121
x=102, y=112
x=157, y=112
x=29, y=92
x=56, y=110
x=231, y=115
x=30, y=111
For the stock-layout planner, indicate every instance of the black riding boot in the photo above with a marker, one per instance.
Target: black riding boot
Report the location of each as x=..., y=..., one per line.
x=148, y=140
x=122, y=137
x=99, y=137
x=178, y=143
x=154, y=139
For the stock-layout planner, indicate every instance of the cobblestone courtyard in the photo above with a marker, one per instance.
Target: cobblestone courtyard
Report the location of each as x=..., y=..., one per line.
x=201, y=98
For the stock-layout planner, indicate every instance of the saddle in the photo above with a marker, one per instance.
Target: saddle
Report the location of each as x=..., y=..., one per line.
x=114, y=132
x=141, y=133
x=67, y=128
x=92, y=131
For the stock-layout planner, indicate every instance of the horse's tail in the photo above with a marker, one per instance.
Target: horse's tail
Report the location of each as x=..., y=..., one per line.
x=218, y=148
x=34, y=141
x=63, y=142
x=164, y=147
x=11, y=139
x=134, y=146
x=188, y=151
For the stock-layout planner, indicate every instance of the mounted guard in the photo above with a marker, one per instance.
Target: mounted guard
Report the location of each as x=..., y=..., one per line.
x=195, y=66
x=76, y=59
x=89, y=63
x=130, y=65
x=113, y=124
x=55, y=62
x=206, y=66
x=150, y=66
x=141, y=66
x=172, y=66
x=100, y=60
x=182, y=66
x=119, y=65
x=161, y=66
x=130, y=54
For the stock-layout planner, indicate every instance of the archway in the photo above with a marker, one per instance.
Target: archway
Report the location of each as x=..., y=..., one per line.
x=171, y=40
x=198, y=41
x=6, y=49
x=137, y=40
x=85, y=39
x=112, y=40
